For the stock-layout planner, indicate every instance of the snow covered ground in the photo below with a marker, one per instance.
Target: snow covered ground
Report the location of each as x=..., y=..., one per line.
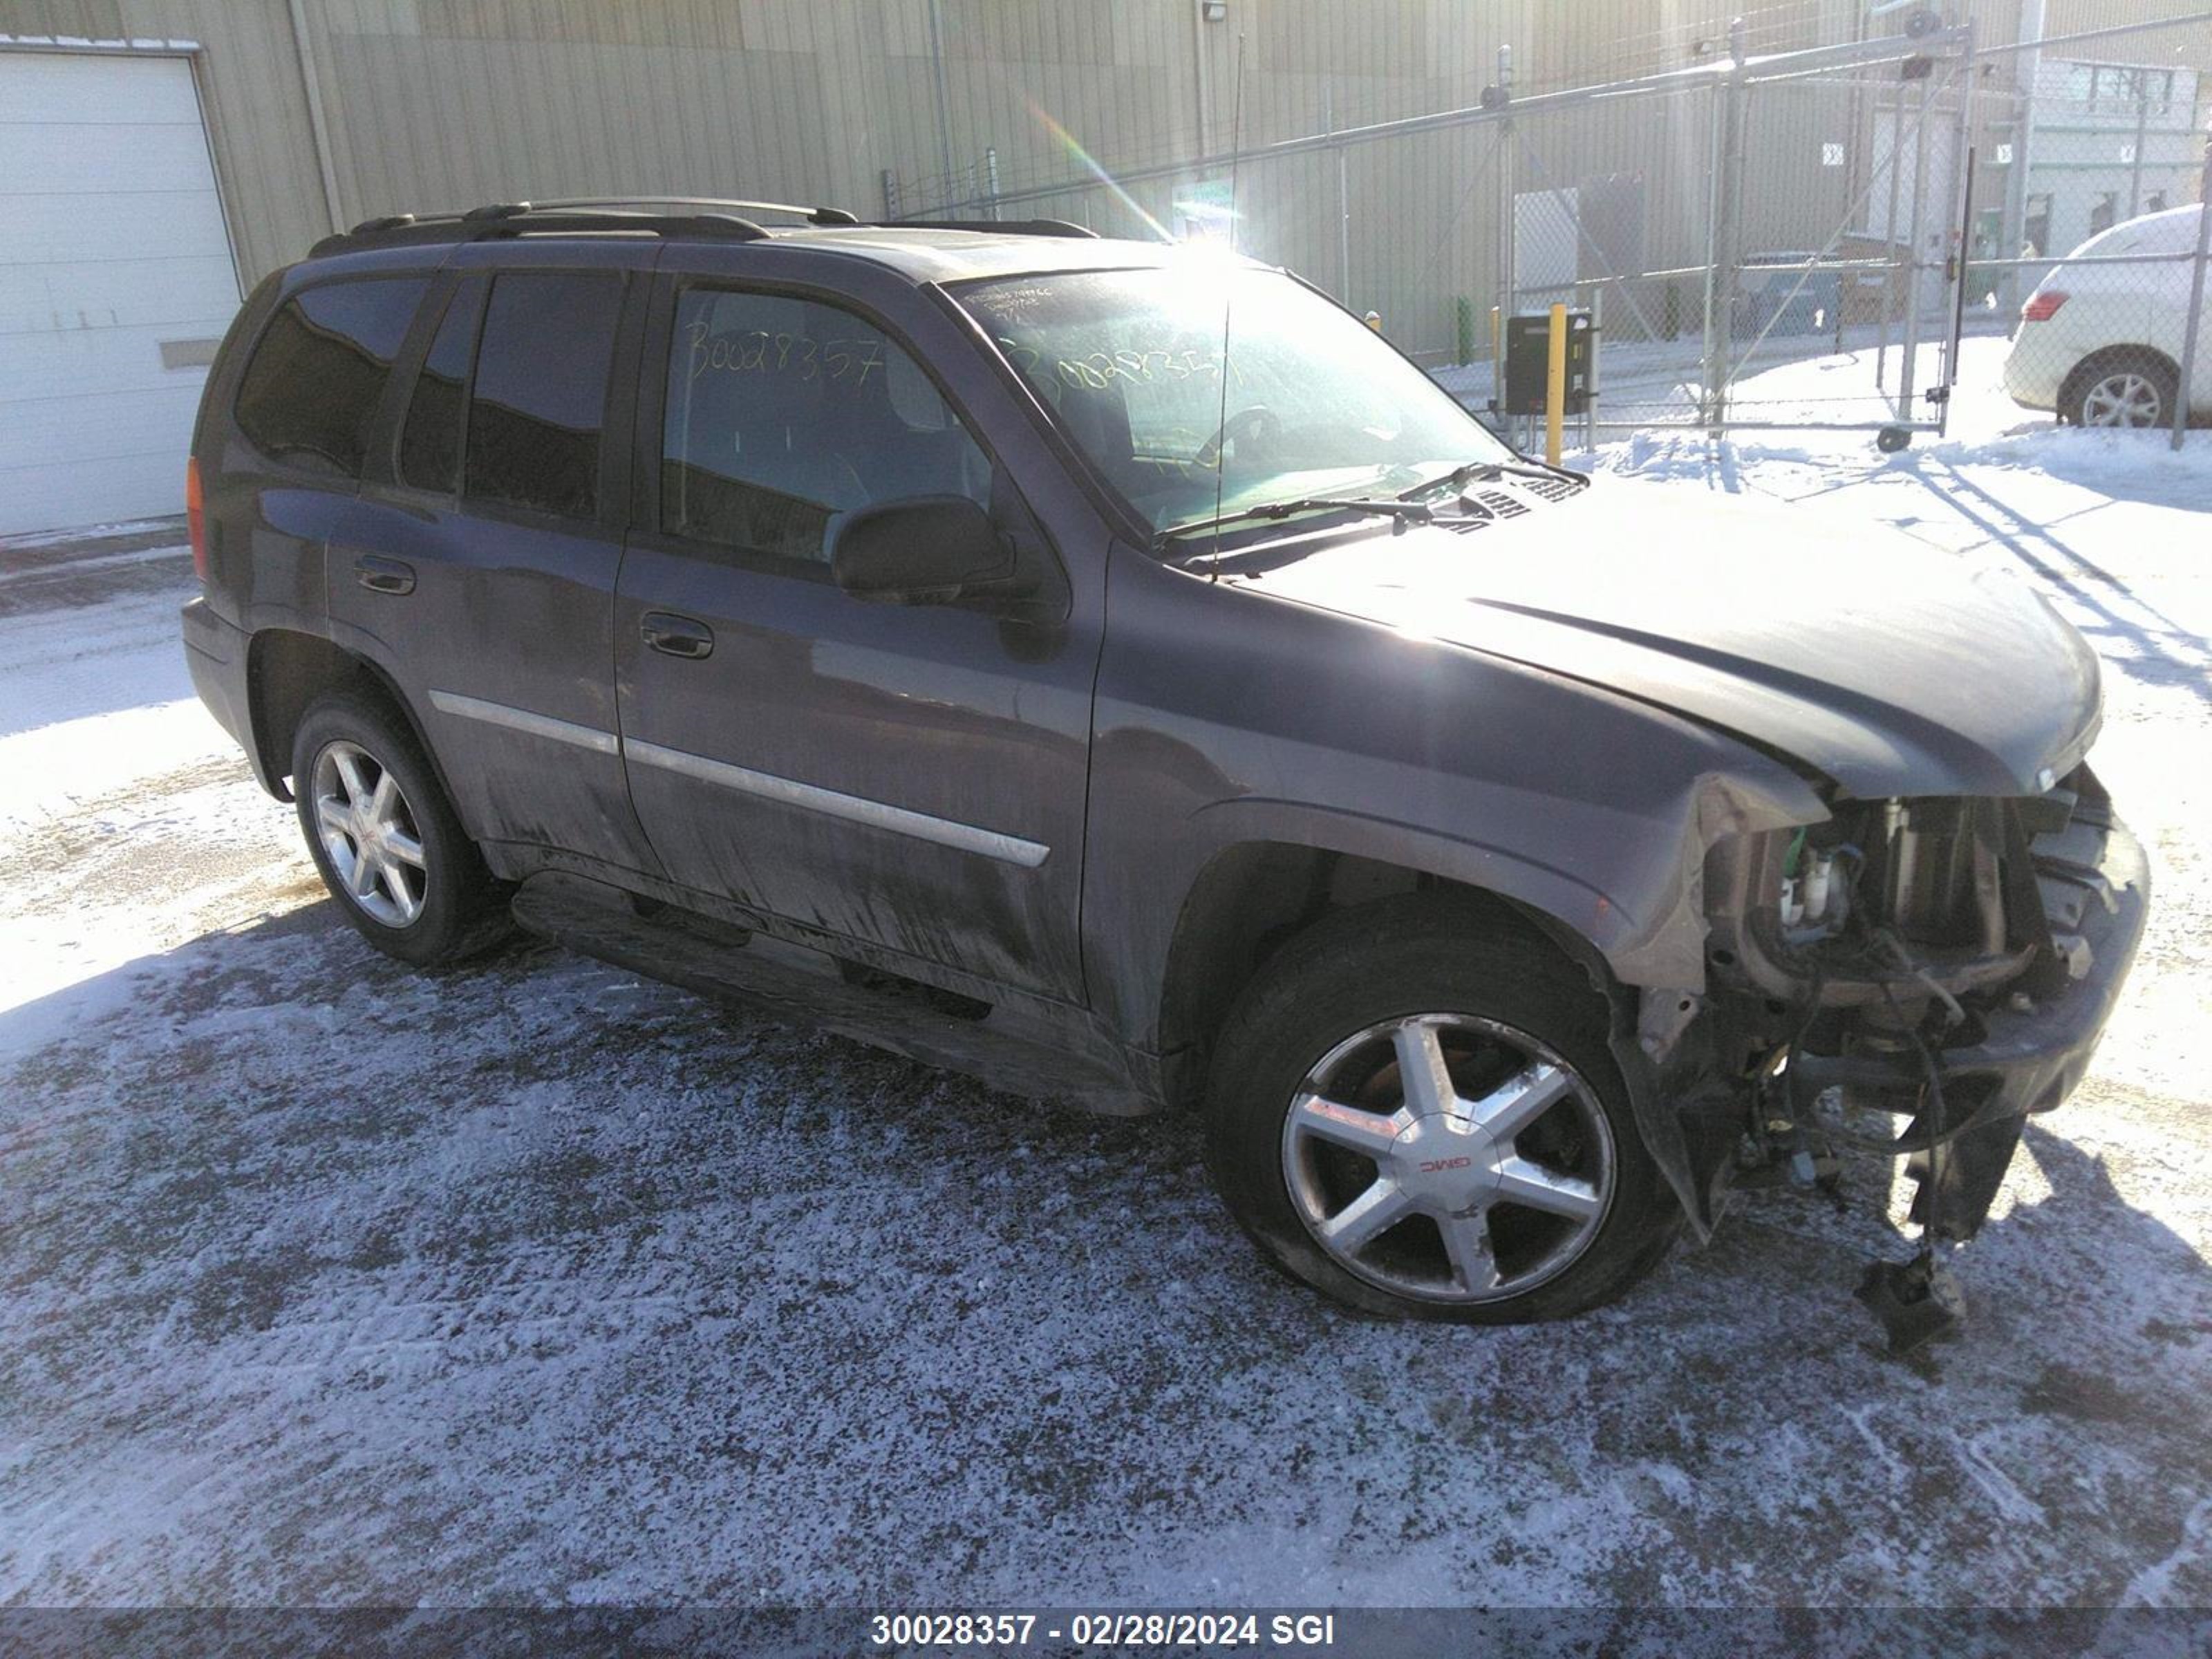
x=321, y=1282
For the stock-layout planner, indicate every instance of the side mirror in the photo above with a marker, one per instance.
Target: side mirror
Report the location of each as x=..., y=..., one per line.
x=922, y=549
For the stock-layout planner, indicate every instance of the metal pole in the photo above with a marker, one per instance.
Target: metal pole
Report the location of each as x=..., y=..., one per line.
x=1713, y=187
x=1555, y=383
x=1958, y=304
x=991, y=173
x=1962, y=219
x=1590, y=374
x=1343, y=196
x=944, y=100
x=2134, y=156
x=1889, y=242
x=2192, y=334
x=1200, y=77
x=1909, y=350
x=2028, y=67
x=1510, y=255
x=1497, y=361
x=1720, y=222
x=318, y=130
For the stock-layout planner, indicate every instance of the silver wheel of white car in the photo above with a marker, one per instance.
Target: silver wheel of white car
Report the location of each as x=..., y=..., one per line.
x=2124, y=391
x=370, y=835
x=1448, y=1157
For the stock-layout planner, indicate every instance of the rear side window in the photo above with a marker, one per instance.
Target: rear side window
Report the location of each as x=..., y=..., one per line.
x=311, y=391
x=784, y=414
x=430, y=441
x=540, y=391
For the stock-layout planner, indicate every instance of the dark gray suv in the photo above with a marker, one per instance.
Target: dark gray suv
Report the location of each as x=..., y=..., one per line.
x=1112, y=669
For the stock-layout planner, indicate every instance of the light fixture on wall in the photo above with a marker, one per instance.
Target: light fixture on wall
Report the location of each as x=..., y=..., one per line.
x=1213, y=11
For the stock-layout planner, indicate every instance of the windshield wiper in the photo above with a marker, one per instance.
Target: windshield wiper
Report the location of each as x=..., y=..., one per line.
x=1460, y=477
x=1380, y=508
x=1398, y=508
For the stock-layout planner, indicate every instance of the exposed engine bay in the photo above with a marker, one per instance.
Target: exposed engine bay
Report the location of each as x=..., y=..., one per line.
x=1947, y=962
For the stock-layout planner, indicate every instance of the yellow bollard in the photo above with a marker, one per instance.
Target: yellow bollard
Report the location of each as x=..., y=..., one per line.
x=1555, y=384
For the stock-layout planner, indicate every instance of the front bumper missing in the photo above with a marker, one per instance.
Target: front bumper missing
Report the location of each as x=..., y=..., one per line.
x=2021, y=1055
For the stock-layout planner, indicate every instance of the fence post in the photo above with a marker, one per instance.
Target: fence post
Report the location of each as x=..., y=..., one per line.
x=1507, y=253
x=2136, y=150
x=2194, y=332
x=1908, y=365
x=1555, y=384
x=1721, y=232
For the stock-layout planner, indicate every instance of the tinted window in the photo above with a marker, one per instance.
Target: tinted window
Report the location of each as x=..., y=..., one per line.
x=430, y=442
x=783, y=414
x=540, y=390
x=311, y=391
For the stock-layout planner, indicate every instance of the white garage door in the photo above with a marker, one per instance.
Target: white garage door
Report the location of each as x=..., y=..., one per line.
x=115, y=280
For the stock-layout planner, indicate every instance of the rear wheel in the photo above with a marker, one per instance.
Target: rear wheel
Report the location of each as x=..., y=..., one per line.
x=1427, y=1123
x=384, y=838
x=2125, y=388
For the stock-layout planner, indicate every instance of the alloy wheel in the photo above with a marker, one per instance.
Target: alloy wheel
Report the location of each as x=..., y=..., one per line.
x=2123, y=397
x=370, y=835
x=1448, y=1159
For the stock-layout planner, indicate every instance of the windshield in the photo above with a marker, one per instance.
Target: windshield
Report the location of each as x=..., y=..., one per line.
x=1131, y=363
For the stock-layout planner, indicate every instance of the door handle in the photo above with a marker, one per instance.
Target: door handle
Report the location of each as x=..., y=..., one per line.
x=677, y=636
x=381, y=575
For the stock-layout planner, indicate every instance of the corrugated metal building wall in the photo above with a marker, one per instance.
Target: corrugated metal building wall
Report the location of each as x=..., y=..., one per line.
x=439, y=102
x=322, y=112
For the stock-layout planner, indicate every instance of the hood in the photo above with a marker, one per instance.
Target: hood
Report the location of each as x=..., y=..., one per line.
x=1892, y=668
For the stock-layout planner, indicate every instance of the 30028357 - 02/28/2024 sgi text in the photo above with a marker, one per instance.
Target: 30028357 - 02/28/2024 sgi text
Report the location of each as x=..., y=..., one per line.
x=903, y=1630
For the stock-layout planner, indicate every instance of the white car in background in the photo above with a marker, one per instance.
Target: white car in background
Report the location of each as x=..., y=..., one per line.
x=2101, y=344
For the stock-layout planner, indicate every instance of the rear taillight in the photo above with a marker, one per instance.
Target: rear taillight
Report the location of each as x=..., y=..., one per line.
x=196, y=519
x=2042, y=307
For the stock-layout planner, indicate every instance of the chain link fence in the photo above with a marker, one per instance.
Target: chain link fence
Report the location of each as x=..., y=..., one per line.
x=1791, y=238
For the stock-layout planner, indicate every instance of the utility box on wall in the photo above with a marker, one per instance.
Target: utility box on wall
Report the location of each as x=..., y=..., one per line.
x=1527, y=362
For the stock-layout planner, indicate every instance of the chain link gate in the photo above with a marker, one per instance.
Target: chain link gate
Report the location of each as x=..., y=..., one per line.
x=1787, y=241
x=1772, y=242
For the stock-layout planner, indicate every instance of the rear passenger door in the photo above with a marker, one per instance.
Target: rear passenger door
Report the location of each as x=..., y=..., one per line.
x=292, y=455
x=479, y=566
x=910, y=777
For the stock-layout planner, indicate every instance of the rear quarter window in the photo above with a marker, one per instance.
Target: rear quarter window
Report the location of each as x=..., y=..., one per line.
x=310, y=389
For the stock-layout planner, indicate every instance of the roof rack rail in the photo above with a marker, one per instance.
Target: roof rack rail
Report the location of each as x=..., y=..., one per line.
x=815, y=216
x=1002, y=227
x=502, y=219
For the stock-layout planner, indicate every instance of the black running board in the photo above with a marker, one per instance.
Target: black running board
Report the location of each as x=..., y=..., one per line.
x=779, y=980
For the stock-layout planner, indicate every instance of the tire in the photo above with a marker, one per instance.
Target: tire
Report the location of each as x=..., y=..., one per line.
x=2127, y=387
x=424, y=894
x=1332, y=1015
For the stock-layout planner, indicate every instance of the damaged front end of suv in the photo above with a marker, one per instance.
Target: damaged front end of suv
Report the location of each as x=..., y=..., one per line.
x=1942, y=964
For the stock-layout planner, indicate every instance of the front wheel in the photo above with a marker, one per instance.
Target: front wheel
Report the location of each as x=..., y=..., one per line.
x=385, y=839
x=1424, y=1119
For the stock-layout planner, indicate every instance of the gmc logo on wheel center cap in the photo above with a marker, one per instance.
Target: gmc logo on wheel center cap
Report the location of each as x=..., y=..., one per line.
x=1438, y=1165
